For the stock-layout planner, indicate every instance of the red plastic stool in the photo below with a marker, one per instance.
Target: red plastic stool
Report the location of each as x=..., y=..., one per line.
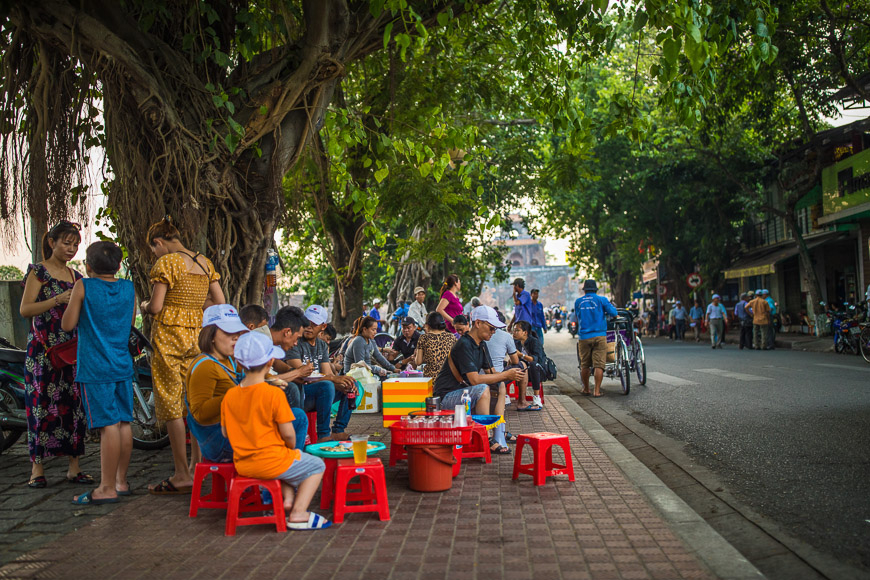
x=327, y=486
x=372, y=490
x=397, y=453
x=542, y=465
x=312, y=425
x=514, y=392
x=221, y=476
x=457, y=454
x=479, y=446
x=237, y=496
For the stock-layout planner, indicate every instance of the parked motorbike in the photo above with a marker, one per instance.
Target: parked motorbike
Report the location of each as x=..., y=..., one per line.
x=845, y=327
x=147, y=434
x=13, y=416
x=572, y=328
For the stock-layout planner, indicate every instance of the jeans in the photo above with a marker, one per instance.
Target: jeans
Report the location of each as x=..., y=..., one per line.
x=681, y=328
x=745, y=334
x=717, y=330
x=453, y=398
x=319, y=397
x=540, y=332
x=760, y=332
x=697, y=329
x=771, y=335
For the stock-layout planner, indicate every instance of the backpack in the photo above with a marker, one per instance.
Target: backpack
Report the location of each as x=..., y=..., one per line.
x=550, y=369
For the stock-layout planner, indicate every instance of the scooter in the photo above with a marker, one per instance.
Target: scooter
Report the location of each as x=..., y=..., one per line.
x=572, y=328
x=13, y=416
x=558, y=324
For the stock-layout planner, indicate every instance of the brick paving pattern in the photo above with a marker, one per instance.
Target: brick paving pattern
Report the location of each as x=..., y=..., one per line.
x=486, y=526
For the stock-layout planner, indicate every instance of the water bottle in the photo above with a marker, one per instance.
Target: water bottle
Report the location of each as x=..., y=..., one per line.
x=271, y=268
x=466, y=400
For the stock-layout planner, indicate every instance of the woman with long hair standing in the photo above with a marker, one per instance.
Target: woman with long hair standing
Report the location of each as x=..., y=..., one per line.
x=434, y=346
x=56, y=423
x=449, y=307
x=184, y=283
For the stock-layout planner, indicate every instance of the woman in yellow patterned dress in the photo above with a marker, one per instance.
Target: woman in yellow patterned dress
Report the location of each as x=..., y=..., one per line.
x=183, y=284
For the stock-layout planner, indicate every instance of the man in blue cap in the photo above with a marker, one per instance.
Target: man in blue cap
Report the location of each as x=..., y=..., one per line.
x=771, y=329
x=716, y=321
x=592, y=332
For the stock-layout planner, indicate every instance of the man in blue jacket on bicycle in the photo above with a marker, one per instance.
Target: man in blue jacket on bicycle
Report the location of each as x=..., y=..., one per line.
x=591, y=310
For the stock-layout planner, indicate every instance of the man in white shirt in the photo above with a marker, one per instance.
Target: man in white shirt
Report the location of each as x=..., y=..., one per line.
x=417, y=310
x=501, y=345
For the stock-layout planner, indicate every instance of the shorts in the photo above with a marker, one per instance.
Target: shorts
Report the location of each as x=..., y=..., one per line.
x=453, y=398
x=592, y=352
x=107, y=403
x=302, y=469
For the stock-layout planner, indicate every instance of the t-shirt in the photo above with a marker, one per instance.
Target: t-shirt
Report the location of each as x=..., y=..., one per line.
x=304, y=351
x=251, y=416
x=523, y=310
x=207, y=383
x=468, y=356
x=715, y=311
x=696, y=313
x=500, y=345
x=435, y=346
x=760, y=311
x=417, y=311
x=406, y=347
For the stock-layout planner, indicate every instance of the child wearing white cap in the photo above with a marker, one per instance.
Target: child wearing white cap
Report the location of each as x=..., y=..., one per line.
x=257, y=420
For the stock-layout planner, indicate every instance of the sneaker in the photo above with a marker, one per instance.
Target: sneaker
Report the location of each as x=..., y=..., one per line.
x=536, y=400
x=507, y=400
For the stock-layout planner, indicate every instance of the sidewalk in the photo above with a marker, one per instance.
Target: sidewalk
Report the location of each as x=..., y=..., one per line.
x=487, y=526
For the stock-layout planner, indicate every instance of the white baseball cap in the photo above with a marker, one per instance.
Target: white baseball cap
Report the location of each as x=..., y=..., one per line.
x=316, y=314
x=254, y=349
x=715, y=296
x=225, y=317
x=486, y=314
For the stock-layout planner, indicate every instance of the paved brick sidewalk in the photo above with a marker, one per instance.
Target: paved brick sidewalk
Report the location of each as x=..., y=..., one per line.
x=486, y=526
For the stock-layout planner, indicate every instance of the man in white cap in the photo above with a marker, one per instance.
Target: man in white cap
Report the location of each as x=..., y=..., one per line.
x=469, y=366
x=312, y=352
x=716, y=314
x=417, y=310
x=376, y=313
x=257, y=420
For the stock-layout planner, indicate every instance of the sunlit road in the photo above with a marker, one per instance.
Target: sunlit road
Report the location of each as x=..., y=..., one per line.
x=788, y=431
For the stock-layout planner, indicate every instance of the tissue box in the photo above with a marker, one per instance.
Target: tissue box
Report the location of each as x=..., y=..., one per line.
x=401, y=396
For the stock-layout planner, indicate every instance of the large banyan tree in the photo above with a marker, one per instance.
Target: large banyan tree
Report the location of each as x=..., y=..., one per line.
x=203, y=106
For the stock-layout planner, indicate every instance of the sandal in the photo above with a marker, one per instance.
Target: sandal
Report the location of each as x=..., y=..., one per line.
x=498, y=449
x=38, y=482
x=532, y=408
x=510, y=437
x=166, y=487
x=81, y=478
x=88, y=499
x=315, y=522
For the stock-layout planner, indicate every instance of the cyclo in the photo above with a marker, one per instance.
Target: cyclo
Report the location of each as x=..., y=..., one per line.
x=627, y=355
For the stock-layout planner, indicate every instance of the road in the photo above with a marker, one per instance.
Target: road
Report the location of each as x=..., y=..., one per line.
x=788, y=432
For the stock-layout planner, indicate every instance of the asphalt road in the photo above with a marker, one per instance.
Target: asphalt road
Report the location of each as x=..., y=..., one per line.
x=787, y=431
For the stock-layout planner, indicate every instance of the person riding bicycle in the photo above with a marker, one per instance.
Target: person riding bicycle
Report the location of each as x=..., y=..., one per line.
x=591, y=312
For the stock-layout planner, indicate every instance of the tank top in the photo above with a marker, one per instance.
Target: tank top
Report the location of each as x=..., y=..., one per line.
x=104, y=331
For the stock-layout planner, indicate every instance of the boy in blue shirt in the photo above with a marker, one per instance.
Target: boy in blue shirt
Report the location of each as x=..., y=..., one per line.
x=100, y=306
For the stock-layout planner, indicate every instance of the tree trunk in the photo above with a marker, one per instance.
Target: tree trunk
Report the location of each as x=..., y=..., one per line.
x=346, y=259
x=814, y=289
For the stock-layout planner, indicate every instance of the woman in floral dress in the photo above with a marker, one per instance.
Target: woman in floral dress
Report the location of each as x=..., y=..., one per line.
x=184, y=283
x=56, y=422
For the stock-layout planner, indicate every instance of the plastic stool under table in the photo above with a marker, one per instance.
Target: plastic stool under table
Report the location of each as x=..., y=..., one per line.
x=479, y=446
x=542, y=465
x=372, y=489
x=221, y=476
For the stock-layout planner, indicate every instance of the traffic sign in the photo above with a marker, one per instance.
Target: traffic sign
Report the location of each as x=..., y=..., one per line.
x=694, y=280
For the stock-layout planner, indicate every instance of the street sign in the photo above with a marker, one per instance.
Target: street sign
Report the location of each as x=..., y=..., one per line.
x=637, y=295
x=694, y=280
x=663, y=290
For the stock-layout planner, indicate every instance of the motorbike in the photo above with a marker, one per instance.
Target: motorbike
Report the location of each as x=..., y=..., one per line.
x=846, y=328
x=13, y=416
x=557, y=324
x=147, y=433
x=572, y=328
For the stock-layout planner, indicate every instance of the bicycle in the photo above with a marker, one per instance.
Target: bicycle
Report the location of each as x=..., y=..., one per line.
x=637, y=358
x=617, y=330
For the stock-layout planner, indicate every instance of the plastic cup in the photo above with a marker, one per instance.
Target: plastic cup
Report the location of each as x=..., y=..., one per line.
x=360, y=445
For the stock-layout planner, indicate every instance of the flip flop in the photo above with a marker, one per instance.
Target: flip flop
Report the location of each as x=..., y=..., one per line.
x=597, y=396
x=88, y=499
x=124, y=493
x=166, y=487
x=532, y=408
x=315, y=522
x=38, y=482
x=81, y=478
x=585, y=393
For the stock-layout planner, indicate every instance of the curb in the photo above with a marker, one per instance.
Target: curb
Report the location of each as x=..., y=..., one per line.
x=723, y=560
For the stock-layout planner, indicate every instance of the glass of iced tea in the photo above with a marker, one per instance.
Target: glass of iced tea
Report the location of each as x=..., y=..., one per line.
x=360, y=445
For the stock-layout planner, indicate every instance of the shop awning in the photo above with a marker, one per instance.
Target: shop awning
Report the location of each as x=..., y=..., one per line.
x=759, y=264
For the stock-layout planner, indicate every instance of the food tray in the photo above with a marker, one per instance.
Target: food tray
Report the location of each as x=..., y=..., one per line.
x=315, y=449
x=431, y=435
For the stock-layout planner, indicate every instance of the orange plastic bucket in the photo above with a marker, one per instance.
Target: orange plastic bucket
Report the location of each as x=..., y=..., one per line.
x=430, y=467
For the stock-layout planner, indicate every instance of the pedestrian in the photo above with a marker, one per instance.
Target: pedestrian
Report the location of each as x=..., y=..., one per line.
x=434, y=346
x=592, y=330
x=56, y=422
x=417, y=310
x=759, y=309
x=716, y=314
x=680, y=318
x=522, y=304
x=100, y=306
x=745, y=321
x=672, y=323
x=449, y=305
x=697, y=315
x=470, y=305
x=771, y=332
x=539, y=322
x=376, y=314
x=183, y=282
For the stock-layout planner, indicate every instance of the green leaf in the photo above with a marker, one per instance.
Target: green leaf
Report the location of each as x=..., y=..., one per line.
x=695, y=32
x=376, y=7
x=640, y=20
x=381, y=174
x=387, y=34
x=443, y=18
x=671, y=50
x=264, y=110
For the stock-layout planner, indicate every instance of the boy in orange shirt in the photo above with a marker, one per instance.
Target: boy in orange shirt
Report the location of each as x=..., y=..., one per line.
x=256, y=418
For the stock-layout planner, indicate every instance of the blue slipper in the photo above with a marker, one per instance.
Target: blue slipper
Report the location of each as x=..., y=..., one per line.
x=315, y=522
x=532, y=408
x=88, y=499
x=124, y=493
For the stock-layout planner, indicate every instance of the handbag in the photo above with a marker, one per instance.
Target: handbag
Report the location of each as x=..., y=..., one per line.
x=64, y=354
